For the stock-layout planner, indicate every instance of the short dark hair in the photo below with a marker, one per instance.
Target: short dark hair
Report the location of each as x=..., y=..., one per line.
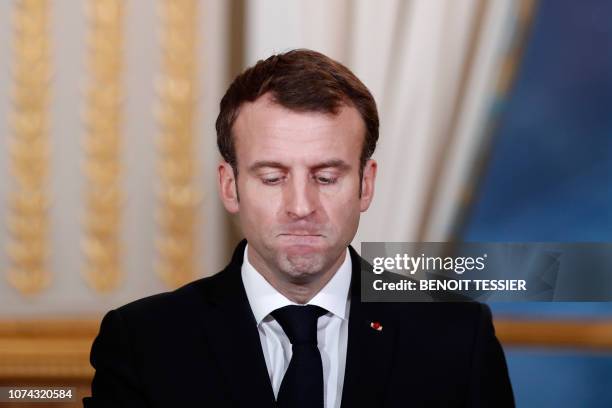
x=300, y=80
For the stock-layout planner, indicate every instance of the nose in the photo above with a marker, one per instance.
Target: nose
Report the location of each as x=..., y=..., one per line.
x=300, y=198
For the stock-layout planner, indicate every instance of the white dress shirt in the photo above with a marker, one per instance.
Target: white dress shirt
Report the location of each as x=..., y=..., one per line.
x=332, y=327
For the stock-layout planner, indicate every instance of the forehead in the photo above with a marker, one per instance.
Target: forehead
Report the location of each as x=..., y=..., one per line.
x=266, y=130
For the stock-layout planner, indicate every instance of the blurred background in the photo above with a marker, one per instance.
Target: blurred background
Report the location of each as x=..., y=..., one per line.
x=495, y=126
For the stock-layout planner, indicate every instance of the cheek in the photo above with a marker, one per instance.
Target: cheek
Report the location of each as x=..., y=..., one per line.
x=258, y=205
x=256, y=221
x=343, y=209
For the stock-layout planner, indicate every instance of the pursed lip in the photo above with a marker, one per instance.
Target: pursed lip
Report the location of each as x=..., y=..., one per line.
x=299, y=234
x=301, y=240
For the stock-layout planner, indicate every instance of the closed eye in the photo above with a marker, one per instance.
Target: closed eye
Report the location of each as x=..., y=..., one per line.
x=271, y=181
x=326, y=179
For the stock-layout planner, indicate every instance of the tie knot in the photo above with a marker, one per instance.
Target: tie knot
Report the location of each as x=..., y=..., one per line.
x=299, y=322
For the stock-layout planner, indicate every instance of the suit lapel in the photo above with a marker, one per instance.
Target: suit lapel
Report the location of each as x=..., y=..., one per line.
x=233, y=336
x=369, y=351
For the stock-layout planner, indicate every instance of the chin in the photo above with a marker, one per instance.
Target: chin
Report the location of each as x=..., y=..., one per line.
x=302, y=262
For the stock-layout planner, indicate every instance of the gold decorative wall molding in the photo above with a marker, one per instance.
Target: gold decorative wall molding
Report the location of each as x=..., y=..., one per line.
x=46, y=349
x=580, y=334
x=178, y=196
x=103, y=194
x=28, y=220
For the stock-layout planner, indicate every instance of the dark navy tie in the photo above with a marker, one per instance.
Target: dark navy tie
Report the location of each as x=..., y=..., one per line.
x=302, y=385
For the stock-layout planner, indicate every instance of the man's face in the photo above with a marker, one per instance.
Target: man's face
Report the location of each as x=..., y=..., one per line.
x=298, y=184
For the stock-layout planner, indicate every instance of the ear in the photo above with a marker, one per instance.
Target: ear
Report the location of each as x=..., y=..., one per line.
x=367, y=184
x=227, y=187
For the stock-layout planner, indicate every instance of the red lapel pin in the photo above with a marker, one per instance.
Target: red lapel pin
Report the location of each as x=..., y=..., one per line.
x=376, y=326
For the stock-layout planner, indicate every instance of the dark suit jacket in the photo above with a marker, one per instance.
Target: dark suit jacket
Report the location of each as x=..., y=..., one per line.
x=199, y=347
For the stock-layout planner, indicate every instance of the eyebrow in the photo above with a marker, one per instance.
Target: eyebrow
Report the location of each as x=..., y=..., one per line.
x=333, y=163
x=266, y=163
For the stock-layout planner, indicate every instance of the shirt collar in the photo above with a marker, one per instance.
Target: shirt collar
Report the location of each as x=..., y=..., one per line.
x=264, y=298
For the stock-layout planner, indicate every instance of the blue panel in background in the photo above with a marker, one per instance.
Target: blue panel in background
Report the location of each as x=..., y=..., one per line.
x=569, y=379
x=549, y=179
x=550, y=174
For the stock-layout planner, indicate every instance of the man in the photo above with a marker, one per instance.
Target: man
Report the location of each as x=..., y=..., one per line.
x=283, y=325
